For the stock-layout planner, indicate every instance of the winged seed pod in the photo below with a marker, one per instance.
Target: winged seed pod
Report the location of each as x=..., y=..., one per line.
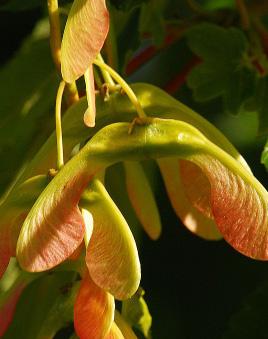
x=85, y=32
x=93, y=310
x=197, y=222
x=238, y=201
x=142, y=199
x=112, y=257
x=155, y=102
x=160, y=104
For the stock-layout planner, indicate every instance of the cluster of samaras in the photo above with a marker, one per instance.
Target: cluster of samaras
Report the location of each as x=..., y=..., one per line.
x=45, y=219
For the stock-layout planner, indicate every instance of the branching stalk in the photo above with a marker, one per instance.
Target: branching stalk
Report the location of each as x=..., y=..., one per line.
x=97, y=78
x=131, y=95
x=106, y=75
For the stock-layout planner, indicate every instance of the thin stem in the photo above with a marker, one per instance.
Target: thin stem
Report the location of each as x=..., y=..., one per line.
x=259, y=8
x=97, y=78
x=244, y=16
x=55, y=34
x=88, y=78
x=90, y=114
x=55, y=45
x=195, y=6
x=106, y=76
x=72, y=92
x=60, y=159
x=131, y=95
x=88, y=220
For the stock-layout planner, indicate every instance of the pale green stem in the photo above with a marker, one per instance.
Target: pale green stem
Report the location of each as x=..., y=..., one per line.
x=106, y=76
x=131, y=95
x=97, y=78
x=60, y=159
x=72, y=93
x=88, y=220
x=55, y=34
x=88, y=88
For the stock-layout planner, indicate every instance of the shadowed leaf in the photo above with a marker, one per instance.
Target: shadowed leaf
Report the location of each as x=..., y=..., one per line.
x=142, y=199
x=127, y=5
x=10, y=228
x=28, y=85
x=60, y=314
x=13, y=212
x=12, y=285
x=124, y=327
x=35, y=304
x=136, y=313
x=227, y=77
x=8, y=308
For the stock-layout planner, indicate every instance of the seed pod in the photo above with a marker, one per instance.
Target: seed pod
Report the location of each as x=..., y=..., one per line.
x=194, y=220
x=85, y=32
x=112, y=257
x=142, y=199
x=93, y=310
x=237, y=198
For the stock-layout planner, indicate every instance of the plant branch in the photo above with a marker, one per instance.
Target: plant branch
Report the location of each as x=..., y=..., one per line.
x=106, y=76
x=131, y=95
x=60, y=158
x=55, y=45
x=195, y=7
x=244, y=16
x=97, y=78
x=55, y=34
